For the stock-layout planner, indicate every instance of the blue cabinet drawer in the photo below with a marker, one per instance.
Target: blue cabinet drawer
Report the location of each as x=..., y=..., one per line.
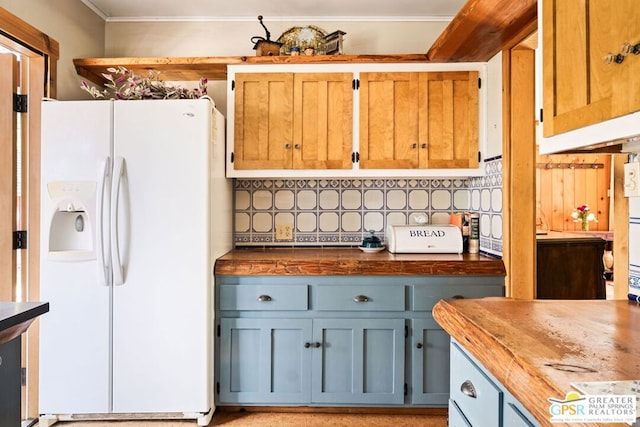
x=425, y=297
x=360, y=298
x=478, y=398
x=264, y=297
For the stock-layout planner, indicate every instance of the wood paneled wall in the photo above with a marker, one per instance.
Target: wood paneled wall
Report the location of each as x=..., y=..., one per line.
x=565, y=181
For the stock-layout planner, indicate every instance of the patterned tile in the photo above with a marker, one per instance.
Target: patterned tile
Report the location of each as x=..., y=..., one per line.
x=340, y=212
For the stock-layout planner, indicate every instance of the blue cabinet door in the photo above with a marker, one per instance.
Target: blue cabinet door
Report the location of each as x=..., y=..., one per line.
x=430, y=363
x=358, y=361
x=265, y=360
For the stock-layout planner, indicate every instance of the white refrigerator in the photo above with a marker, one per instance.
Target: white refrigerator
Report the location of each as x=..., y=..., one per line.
x=135, y=209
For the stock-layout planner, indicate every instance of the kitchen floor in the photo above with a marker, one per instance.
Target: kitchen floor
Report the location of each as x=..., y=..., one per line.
x=284, y=419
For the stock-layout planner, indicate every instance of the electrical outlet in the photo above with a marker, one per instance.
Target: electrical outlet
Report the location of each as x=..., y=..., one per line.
x=284, y=232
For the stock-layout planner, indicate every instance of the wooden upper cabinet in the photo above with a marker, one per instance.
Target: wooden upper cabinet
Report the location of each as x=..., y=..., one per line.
x=293, y=121
x=580, y=87
x=419, y=120
x=263, y=126
x=322, y=120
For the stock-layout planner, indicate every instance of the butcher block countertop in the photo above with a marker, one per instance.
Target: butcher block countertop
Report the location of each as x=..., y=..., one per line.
x=352, y=261
x=537, y=348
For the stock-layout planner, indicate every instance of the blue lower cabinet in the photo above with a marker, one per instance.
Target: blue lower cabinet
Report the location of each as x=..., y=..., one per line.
x=478, y=399
x=265, y=360
x=360, y=361
x=429, y=363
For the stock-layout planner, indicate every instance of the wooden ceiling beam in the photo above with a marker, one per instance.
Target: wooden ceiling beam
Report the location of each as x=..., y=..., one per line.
x=481, y=29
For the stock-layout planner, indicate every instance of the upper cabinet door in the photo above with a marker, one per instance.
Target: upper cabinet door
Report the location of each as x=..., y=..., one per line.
x=582, y=83
x=263, y=126
x=388, y=120
x=448, y=120
x=419, y=120
x=322, y=120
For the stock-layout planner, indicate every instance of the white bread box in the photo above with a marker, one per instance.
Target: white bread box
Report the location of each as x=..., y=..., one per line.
x=424, y=239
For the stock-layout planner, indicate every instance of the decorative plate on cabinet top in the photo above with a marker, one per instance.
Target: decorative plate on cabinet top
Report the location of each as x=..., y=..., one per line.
x=303, y=38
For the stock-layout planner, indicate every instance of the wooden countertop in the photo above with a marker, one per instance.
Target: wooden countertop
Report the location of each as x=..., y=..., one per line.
x=352, y=261
x=537, y=348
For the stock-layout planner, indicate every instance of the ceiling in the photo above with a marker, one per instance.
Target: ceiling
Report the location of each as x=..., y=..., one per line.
x=275, y=10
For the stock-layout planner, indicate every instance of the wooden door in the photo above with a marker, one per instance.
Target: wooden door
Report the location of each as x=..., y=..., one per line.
x=263, y=126
x=577, y=35
x=389, y=120
x=8, y=201
x=448, y=120
x=626, y=85
x=322, y=120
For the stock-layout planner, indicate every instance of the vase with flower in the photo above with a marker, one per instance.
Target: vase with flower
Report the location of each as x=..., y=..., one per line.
x=584, y=216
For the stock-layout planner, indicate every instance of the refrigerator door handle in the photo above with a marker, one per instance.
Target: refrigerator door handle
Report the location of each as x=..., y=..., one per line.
x=103, y=260
x=118, y=272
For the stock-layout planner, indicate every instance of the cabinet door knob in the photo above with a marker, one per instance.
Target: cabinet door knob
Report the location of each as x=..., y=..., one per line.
x=414, y=145
x=361, y=298
x=287, y=146
x=264, y=298
x=468, y=389
x=307, y=345
x=423, y=145
x=297, y=146
x=316, y=345
x=419, y=345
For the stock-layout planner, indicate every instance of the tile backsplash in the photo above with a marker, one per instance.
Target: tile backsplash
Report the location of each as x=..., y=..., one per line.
x=340, y=212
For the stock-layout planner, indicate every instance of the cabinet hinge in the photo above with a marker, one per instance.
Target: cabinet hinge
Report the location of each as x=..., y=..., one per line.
x=355, y=157
x=406, y=331
x=20, y=239
x=479, y=83
x=23, y=376
x=20, y=103
x=406, y=389
x=218, y=330
x=232, y=157
x=233, y=85
x=479, y=157
x=355, y=84
x=541, y=120
x=218, y=387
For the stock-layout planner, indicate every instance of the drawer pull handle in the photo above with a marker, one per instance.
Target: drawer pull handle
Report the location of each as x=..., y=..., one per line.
x=264, y=298
x=468, y=389
x=361, y=298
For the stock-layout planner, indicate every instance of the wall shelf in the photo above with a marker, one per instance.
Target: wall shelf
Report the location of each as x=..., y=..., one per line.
x=215, y=67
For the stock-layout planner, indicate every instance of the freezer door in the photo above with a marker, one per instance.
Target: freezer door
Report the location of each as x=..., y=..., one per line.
x=162, y=312
x=74, y=335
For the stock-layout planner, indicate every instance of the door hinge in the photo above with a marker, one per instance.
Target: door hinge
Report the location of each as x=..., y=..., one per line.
x=479, y=83
x=406, y=389
x=218, y=330
x=20, y=103
x=218, y=387
x=232, y=157
x=23, y=376
x=233, y=85
x=355, y=157
x=406, y=331
x=541, y=120
x=355, y=84
x=20, y=239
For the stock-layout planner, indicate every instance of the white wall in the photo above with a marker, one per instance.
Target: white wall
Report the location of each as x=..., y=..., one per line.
x=79, y=31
